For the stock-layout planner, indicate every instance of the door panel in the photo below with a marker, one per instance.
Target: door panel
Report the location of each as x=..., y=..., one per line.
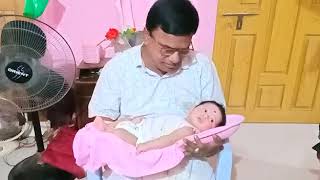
x=11, y=6
x=270, y=67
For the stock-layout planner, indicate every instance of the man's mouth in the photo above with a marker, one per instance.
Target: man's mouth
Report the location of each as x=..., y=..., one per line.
x=172, y=66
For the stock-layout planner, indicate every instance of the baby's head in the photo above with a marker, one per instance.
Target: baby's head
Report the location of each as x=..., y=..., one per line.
x=207, y=115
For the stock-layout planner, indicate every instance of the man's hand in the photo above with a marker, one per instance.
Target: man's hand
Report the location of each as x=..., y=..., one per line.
x=201, y=150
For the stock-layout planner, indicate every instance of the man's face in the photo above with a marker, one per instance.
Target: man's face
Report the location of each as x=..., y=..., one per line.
x=166, y=51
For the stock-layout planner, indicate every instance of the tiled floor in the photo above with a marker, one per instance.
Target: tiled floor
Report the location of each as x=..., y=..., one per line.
x=14, y=158
x=261, y=152
x=275, y=152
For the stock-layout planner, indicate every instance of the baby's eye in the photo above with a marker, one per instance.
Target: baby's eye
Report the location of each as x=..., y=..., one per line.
x=212, y=120
x=205, y=110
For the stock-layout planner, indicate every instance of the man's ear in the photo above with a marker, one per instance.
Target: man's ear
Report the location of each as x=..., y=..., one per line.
x=146, y=36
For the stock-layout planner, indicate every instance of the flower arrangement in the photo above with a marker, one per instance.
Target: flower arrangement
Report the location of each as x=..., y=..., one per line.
x=115, y=36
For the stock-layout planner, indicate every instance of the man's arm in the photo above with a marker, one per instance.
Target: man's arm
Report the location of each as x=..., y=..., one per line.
x=106, y=97
x=166, y=140
x=211, y=90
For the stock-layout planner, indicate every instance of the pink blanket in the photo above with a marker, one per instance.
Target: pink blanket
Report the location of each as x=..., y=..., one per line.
x=94, y=149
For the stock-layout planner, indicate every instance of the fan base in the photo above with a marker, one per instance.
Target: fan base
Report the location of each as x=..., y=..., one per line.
x=32, y=168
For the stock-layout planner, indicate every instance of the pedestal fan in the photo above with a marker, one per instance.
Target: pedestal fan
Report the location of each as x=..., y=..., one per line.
x=12, y=126
x=37, y=66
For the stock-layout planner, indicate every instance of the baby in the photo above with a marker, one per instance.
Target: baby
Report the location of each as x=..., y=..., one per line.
x=204, y=116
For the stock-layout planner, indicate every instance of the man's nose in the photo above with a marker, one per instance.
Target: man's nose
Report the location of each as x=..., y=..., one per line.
x=175, y=58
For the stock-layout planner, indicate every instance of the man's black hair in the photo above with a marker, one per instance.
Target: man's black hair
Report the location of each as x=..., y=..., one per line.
x=176, y=17
x=222, y=110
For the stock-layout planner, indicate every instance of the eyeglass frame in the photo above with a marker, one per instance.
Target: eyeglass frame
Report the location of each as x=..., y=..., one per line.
x=166, y=54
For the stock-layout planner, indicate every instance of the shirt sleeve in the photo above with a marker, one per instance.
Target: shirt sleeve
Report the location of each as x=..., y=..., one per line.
x=105, y=100
x=224, y=166
x=210, y=83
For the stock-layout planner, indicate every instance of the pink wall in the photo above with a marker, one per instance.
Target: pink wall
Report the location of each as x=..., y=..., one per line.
x=84, y=22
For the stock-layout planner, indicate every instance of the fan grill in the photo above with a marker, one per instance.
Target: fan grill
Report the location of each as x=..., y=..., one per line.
x=37, y=66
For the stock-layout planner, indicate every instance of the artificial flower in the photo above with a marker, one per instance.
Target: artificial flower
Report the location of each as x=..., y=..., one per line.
x=112, y=34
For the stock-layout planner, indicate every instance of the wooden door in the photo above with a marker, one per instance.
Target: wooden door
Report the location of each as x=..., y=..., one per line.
x=270, y=66
x=11, y=6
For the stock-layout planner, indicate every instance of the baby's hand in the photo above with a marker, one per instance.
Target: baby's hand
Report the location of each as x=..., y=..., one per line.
x=141, y=148
x=102, y=125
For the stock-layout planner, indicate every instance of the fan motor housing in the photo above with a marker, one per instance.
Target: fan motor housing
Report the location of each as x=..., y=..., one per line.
x=18, y=72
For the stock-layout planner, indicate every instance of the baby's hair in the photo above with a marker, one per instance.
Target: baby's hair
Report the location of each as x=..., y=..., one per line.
x=222, y=110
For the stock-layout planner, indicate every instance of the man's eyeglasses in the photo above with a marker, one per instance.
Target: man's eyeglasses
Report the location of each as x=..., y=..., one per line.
x=167, y=51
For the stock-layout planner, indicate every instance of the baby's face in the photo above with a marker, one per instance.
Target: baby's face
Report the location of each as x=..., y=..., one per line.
x=205, y=116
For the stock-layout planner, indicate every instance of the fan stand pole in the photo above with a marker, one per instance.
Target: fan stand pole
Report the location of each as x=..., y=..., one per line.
x=34, y=116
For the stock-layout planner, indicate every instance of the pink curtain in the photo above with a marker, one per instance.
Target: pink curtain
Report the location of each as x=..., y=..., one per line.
x=84, y=22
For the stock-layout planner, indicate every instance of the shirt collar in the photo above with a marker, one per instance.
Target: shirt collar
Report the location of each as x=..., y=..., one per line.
x=138, y=60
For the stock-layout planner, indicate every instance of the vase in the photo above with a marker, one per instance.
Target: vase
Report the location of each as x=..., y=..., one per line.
x=120, y=44
x=91, y=53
